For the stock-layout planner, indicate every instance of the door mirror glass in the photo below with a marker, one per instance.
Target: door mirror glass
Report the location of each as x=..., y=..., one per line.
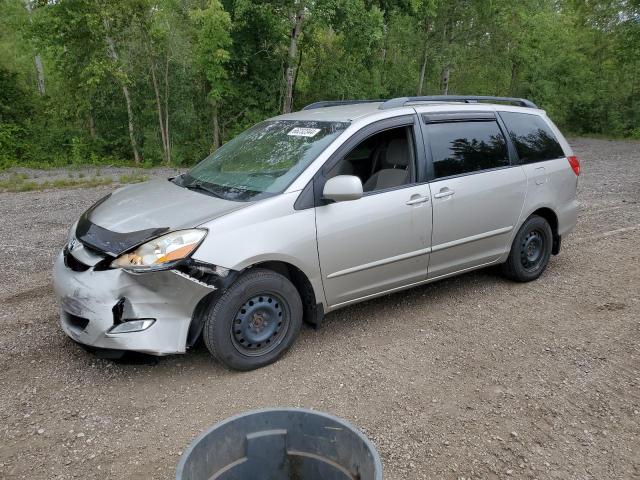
x=342, y=188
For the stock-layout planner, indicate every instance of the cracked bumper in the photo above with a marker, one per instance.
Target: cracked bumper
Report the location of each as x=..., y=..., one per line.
x=87, y=300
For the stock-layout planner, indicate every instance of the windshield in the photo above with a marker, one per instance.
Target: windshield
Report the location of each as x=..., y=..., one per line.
x=262, y=161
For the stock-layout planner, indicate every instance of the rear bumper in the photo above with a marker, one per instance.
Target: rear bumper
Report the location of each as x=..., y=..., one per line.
x=93, y=302
x=567, y=217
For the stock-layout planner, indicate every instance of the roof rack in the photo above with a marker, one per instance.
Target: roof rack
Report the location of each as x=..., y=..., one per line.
x=335, y=103
x=402, y=101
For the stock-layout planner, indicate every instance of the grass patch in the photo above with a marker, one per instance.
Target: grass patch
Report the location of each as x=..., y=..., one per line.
x=133, y=178
x=66, y=163
x=20, y=182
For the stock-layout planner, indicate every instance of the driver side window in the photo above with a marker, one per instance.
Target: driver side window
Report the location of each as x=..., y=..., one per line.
x=381, y=161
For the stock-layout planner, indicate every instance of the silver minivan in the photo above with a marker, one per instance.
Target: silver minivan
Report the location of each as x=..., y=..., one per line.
x=308, y=212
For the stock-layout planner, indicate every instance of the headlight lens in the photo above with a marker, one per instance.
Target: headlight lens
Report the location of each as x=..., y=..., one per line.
x=161, y=251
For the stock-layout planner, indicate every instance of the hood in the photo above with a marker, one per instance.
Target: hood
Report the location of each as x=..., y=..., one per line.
x=139, y=212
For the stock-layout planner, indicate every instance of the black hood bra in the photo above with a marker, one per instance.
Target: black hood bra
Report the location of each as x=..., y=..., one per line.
x=98, y=238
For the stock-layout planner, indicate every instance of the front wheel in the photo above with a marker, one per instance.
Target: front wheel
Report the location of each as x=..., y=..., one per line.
x=530, y=252
x=255, y=321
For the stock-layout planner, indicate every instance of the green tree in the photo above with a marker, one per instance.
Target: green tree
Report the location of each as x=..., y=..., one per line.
x=165, y=81
x=212, y=41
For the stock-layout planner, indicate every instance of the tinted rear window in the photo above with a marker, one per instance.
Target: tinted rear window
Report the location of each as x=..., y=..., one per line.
x=532, y=136
x=465, y=147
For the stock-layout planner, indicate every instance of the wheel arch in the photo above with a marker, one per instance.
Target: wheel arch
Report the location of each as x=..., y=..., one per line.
x=552, y=219
x=313, y=309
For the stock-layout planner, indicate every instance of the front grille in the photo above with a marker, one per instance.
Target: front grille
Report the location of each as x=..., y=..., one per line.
x=73, y=263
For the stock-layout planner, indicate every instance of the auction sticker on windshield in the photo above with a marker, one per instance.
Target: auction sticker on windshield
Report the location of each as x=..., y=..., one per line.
x=303, y=132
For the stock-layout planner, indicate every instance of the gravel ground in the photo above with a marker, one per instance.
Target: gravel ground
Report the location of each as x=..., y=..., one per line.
x=471, y=377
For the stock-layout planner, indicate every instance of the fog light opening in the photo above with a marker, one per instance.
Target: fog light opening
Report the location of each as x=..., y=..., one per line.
x=130, y=326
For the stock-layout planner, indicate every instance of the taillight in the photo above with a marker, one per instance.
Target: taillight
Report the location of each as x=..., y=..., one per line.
x=575, y=164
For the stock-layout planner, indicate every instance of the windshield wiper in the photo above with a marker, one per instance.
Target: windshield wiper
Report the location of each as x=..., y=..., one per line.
x=271, y=173
x=203, y=188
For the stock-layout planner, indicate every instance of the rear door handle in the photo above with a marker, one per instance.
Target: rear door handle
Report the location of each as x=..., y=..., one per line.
x=417, y=200
x=445, y=192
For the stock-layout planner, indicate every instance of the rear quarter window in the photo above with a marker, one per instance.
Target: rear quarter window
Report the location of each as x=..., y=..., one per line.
x=533, y=138
x=465, y=147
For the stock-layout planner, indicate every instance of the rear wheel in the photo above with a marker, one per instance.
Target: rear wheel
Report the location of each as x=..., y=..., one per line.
x=530, y=251
x=255, y=321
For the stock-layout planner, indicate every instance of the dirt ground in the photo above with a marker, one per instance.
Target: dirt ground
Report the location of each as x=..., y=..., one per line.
x=471, y=377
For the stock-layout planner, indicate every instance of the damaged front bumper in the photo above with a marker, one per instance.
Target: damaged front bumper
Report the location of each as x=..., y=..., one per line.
x=95, y=305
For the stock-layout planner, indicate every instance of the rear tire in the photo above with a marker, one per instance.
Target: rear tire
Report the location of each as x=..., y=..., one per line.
x=255, y=321
x=530, y=251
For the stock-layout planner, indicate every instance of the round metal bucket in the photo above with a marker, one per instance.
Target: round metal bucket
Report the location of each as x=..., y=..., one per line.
x=281, y=444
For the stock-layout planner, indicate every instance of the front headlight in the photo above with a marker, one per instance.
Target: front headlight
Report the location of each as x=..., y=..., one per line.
x=162, y=251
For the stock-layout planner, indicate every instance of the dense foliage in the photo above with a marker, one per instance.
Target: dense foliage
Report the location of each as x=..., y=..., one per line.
x=167, y=81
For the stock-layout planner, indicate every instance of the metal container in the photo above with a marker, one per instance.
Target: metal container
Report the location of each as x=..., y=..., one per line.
x=281, y=444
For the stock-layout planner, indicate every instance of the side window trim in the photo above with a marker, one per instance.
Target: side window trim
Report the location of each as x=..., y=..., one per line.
x=475, y=172
x=455, y=117
x=365, y=132
x=514, y=159
x=451, y=117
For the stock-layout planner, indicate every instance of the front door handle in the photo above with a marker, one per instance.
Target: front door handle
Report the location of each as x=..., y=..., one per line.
x=417, y=200
x=445, y=192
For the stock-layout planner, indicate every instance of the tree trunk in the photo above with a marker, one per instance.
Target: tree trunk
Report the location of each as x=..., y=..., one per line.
x=113, y=55
x=40, y=73
x=295, y=78
x=292, y=67
x=132, y=135
x=385, y=44
x=423, y=68
x=445, y=79
x=92, y=125
x=166, y=109
x=514, y=77
x=216, y=127
x=37, y=59
x=163, y=133
x=447, y=38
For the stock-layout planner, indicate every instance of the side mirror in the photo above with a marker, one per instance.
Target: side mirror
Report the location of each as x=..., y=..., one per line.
x=342, y=188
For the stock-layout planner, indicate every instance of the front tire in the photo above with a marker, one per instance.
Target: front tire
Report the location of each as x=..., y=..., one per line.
x=530, y=251
x=255, y=321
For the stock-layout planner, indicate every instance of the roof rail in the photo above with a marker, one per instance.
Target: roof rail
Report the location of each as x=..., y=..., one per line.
x=335, y=103
x=402, y=101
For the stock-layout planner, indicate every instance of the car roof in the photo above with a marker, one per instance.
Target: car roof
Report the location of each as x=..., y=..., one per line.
x=357, y=111
x=336, y=113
